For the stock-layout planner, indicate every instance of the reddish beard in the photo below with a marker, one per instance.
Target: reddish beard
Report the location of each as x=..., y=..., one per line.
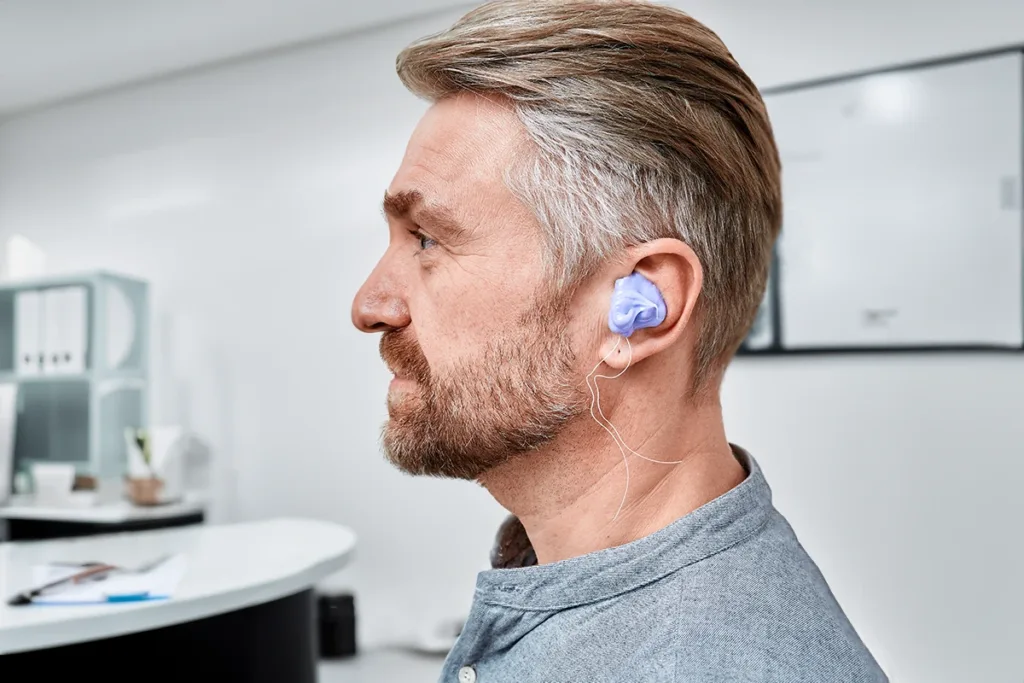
x=515, y=396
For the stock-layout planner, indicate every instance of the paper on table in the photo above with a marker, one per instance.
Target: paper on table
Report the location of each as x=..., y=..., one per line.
x=158, y=583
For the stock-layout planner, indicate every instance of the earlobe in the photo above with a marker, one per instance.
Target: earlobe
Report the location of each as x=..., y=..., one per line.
x=616, y=352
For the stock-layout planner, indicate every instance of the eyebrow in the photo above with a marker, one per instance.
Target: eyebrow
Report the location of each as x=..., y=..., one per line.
x=410, y=205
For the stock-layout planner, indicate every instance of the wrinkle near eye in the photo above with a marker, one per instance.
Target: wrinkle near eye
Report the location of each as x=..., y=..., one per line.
x=488, y=271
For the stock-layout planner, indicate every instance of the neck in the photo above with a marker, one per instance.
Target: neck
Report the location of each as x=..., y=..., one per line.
x=568, y=495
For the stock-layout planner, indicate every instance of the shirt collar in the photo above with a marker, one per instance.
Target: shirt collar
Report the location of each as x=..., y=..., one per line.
x=711, y=528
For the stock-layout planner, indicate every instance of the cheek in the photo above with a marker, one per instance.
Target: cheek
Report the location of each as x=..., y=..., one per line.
x=460, y=321
x=469, y=298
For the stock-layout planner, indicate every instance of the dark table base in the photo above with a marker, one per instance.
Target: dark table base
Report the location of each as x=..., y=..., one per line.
x=44, y=529
x=270, y=643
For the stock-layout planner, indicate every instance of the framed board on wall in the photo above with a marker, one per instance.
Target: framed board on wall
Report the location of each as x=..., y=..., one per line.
x=903, y=225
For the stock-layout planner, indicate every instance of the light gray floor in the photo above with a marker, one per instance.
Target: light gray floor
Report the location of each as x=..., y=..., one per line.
x=382, y=665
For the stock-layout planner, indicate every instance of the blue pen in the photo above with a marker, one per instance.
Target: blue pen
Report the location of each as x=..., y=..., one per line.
x=129, y=597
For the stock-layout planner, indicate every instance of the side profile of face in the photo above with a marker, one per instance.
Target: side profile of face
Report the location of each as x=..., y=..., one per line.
x=481, y=348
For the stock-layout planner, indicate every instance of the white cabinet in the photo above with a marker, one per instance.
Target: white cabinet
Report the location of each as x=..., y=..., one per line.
x=77, y=349
x=902, y=208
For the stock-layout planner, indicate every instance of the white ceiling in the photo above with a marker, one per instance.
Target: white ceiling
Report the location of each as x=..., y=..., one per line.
x=55, y=49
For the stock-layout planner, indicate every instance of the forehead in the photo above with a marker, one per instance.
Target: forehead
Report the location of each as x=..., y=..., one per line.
x=459, y=152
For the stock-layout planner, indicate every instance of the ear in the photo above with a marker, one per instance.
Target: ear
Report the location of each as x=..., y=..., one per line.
x=676, y=271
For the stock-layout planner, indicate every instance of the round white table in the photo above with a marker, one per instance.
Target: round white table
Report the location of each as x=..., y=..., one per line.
x=243, y=611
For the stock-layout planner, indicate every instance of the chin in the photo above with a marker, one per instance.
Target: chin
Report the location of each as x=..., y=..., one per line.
x=406, y=448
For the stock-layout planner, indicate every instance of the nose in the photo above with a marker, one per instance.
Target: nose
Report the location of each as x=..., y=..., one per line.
x=379, y=305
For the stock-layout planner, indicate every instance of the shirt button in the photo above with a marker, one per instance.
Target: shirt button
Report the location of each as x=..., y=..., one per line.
x=467, y=674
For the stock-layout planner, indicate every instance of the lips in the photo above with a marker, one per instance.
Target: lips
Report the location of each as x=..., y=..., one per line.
x=401, y=376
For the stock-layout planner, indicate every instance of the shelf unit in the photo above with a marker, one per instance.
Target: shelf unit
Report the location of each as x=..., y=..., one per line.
x=79, y=417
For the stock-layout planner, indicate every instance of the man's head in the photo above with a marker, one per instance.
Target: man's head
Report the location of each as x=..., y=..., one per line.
x=569, y=144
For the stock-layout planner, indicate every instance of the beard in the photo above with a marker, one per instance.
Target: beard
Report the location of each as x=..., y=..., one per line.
x=515, y=396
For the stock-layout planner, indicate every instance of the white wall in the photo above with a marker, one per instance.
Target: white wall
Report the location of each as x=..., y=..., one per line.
x=249, y=197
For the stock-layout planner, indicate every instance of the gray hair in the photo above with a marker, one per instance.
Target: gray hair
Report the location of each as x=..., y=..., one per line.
x=642, y=126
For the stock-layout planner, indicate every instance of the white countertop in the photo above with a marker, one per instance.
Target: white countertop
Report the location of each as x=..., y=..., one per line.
x=230, y=567
x=117, y=512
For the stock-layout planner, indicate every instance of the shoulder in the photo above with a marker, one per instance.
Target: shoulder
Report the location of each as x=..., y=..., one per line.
x=762, y=611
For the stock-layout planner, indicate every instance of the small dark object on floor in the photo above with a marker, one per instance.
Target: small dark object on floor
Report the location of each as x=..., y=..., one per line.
x=337, y=616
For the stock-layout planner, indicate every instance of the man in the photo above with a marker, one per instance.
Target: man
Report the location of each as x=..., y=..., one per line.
x=571, y=145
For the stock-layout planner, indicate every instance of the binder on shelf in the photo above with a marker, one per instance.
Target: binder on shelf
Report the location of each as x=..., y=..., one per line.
x=75, y=329
x=64, y=330
x=53, y=322
x=28, y=325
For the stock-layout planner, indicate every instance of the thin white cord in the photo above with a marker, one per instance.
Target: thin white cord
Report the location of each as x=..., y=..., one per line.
x=595, y=401
x=614, y=428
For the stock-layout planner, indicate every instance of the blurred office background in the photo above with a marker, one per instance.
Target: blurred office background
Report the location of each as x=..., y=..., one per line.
x=234, y=153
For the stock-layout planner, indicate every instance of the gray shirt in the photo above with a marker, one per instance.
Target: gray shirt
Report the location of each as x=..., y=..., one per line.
x=726, y=593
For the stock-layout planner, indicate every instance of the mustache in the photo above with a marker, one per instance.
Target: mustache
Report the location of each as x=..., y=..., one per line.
x=403, y=355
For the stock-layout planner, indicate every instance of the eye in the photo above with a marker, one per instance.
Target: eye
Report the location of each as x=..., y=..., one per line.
x=425, y=242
